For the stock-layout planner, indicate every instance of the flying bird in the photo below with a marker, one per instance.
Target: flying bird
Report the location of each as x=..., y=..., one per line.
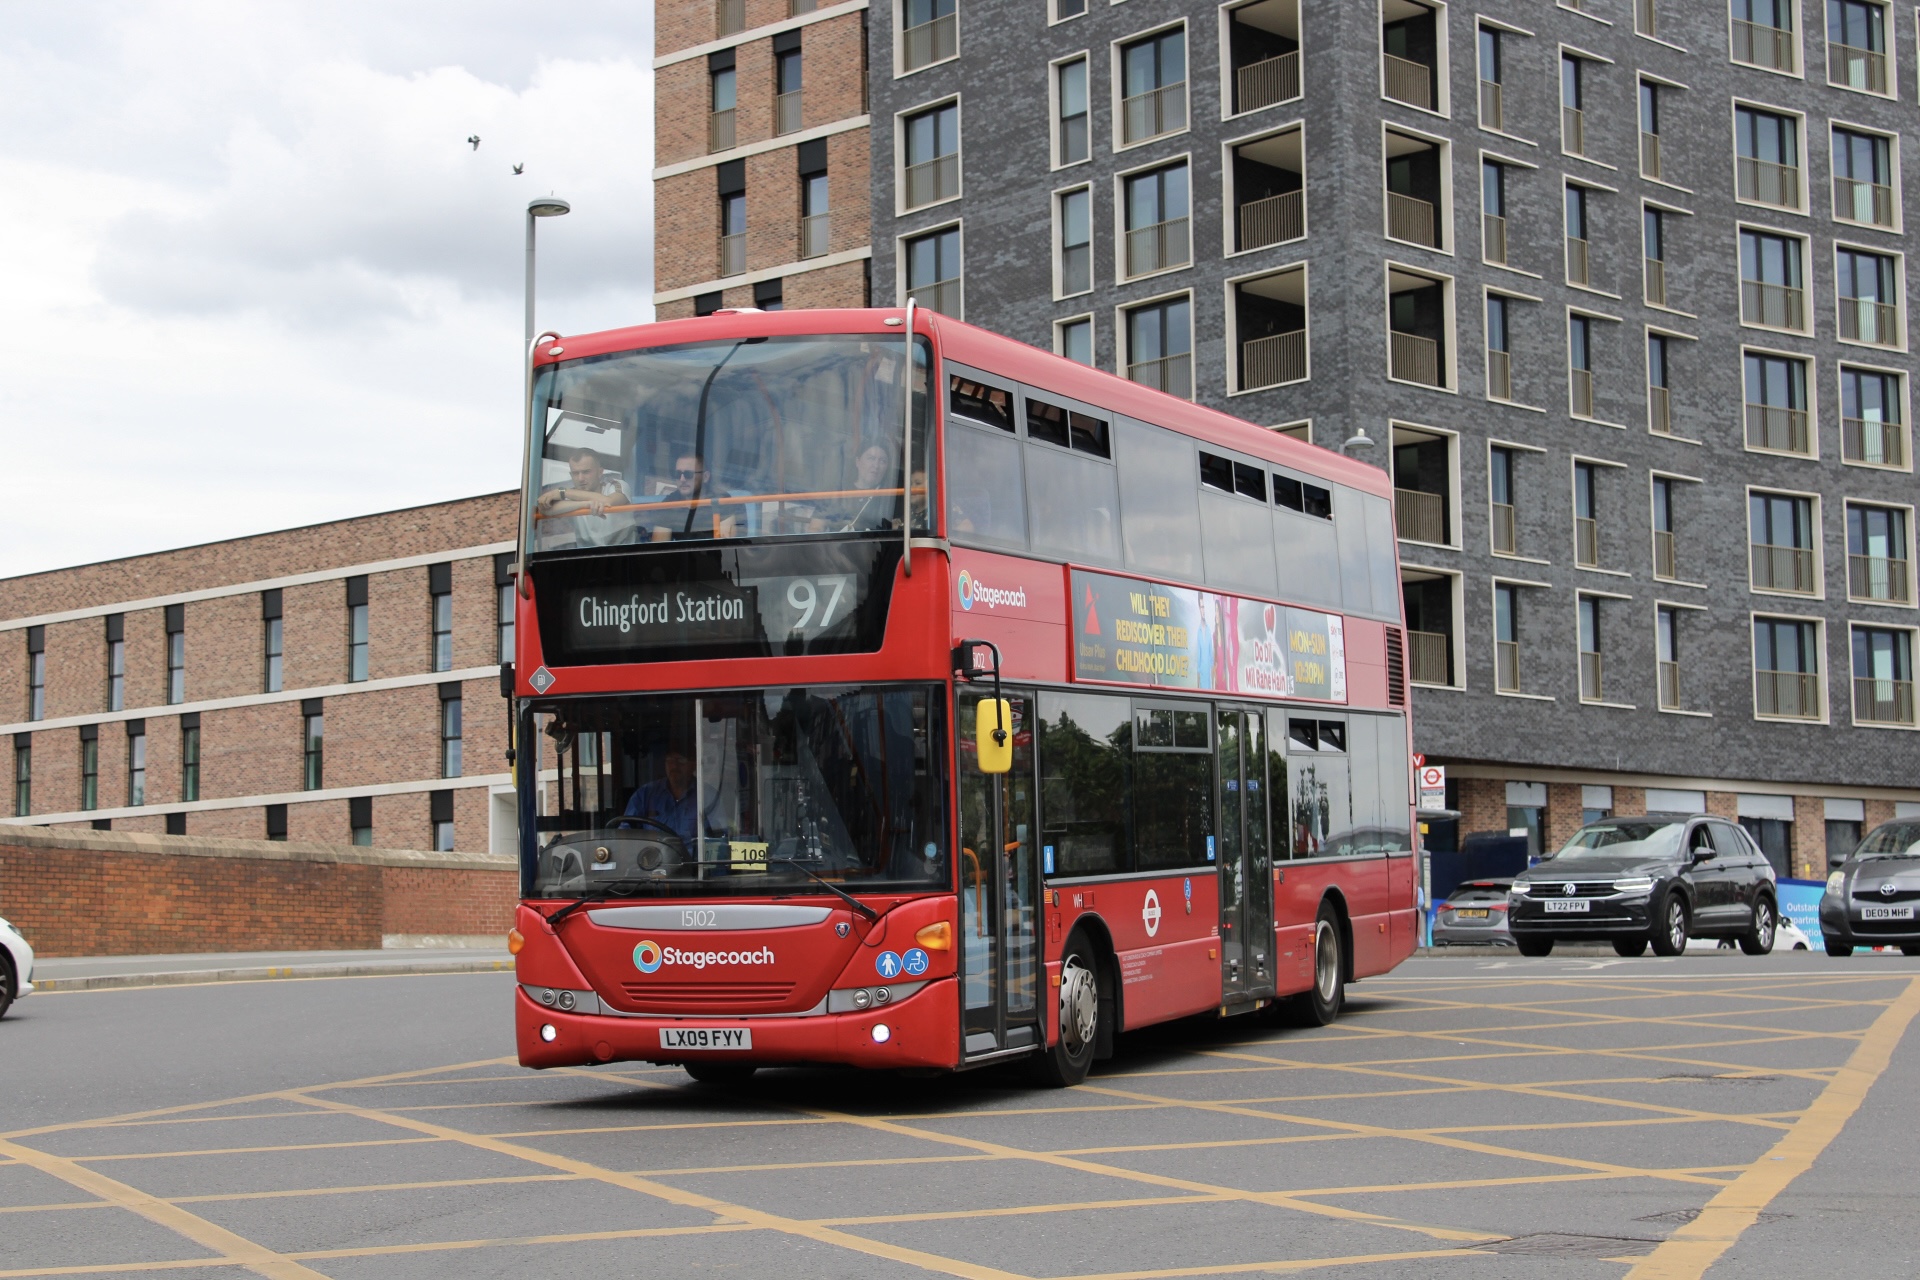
x=474, y=142
x=520, y=168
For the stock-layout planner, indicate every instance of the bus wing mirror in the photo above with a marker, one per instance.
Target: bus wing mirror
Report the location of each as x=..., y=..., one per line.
x=993, y=735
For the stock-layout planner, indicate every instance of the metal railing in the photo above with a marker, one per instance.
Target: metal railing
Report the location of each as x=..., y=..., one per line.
x=797, y=7
x=1759, y=46
x=1852, y=67
x=729, y=16
x=1666, y=564
x=1656, y=282
x=1499, y=375
x=1492, y=111
x=1581, y=382
x=1506, y=666
x=1659, y=411
x=1415, y=359
x=786, y=112
x=1272, y=360
x=1577, y=272
x=942, y=296
x=1867, y=202
x=1429, y=657
x=1770, y=426
x=733, y=253
x=814, y=235
x=1261, y=84
x=1877, y=701
x=1591, y=688
x=1778, y=306
x=1171, y=374
x=1157, y=111
x=1409, y=82
x=1159, y=245
x=1493, y=238
x=1586, y=542
x=1865, y=320
x=1669, y=685
x=1795, y=694
x=1500, y=518
x=1419, y=516
x=1882, y=444
x=1877, y=578
x=720, y=130
x=1777, y=568
x=1767, y=182
x=1411, y=219
x=931, y=180
x=1649, y=154
x=1573, y=131
x=931, y=41
x=1273, y=220
x=1646, y=18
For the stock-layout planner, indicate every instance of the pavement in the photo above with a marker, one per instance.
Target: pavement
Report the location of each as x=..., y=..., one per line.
x=1480, y=1116
x=93, y=973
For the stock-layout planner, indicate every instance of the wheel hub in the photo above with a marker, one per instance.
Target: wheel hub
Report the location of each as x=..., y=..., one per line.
x=1326, y=961
x=1079, y=1005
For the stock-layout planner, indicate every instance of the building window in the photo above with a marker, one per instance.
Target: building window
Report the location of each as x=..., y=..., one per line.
x=1064, y=9
x=176, y=619
x=816, y=238
x=1786, y=668
x=22, y=775
x=90, y=766
x=1499, y=349
x=36, y=673
x=440, y=610
x=722, y=101
x=1500, y=499
x=136, y=763
x=1492, y=110
x=1659, y=400
x=1580, y=365
x=450, y=730
x=769, y=295
x=441, y=814
x=116, y=662
x=1649, y=130
x=1410, y=48
x=786, y=82
x=1863, y=189
x=1767, y=167
x=1844, y=821
x=1579, y=270
x=1071, y=133
x=932, y=141
x=933, y=271
x=1075, y=215
x=1156, y=211
x=1074, y=339
x=1878, y=567
x=356, y=629
x=1870, y=422
x=1763, y=34
x=1573, y=116
x=1666, y=563
x=274, y=636
x=1493, y=212
x=1882, y=676
x=1781, y=529
x=729, y=16
x=1666, y=623
x=276, y=822
x=1506, y=638
x=360, y=820
x=705, y=304
x=1586, y=523
x=313, y=737
x=1773, y=290
x=929, y=33
x=1153, y=86
x=1653, y=248
x=1857, y=45
x=1592, y=688
x=190, y=757
x=1160, y=346
x=503, y=598
x=733, y=228
x=1867, y=287
x=1776, y=410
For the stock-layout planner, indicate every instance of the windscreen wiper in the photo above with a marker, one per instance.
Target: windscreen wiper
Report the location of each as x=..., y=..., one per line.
x=601, y=894
x=851, y=901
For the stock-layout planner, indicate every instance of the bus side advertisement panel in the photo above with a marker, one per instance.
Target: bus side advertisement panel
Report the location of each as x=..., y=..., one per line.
x=1020, y=605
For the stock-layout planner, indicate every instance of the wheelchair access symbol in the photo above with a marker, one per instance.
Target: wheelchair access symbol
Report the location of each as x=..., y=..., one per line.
x=887, y=964
x=915, y=962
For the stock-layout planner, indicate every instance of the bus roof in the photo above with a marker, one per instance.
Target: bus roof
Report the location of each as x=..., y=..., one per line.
x=992, y=353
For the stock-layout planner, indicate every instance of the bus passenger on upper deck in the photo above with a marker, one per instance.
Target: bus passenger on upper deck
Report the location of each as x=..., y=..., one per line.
x=704, y=517
x=863, y=509
x=584, y=502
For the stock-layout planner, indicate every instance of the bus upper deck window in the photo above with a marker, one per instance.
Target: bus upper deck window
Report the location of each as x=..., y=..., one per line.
x=1089, y=435
x=1216, y=472
x=981, y=403
x=1317, y=501
x=1286, y=492
x=1251, y=481
x=1080, y=432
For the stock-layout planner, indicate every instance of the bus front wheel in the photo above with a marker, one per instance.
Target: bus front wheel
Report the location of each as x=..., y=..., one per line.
x=1064, y=1063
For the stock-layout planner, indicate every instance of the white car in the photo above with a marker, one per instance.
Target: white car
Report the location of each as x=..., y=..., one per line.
x=1786, y=937
x=16, y=967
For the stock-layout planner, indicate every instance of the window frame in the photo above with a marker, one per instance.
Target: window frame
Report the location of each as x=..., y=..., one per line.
x=1442, y=57
x=1121, y=342
x=901, y=120
x=1799, y=42
x=900, y=69
x=1451, y=438
x=904, y=239
x=1227, y=86
x=1892, y=139
x=1901, y=381
x=1803, y=169
x=1807, y=276
x=1824, y=673
x=1054, y=103
x=1058, y=199
x=1814, y=424
x=1907, y=511
x=1913, y=656
x=1093, y=337
x=1817, y=528
x=1116, y=87
x=1448, y=287
x=1121, y=177
x=1889, y=24
x=1900, y=302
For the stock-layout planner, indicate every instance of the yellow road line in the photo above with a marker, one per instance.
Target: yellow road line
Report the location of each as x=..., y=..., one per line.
x=1688, y=1253
x=1284, y=1267
x=253, y=1151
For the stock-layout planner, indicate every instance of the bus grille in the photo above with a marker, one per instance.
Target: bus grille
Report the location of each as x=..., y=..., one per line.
x=707, y=997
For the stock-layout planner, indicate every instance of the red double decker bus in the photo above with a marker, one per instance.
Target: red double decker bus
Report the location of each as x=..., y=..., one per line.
x=894, y=694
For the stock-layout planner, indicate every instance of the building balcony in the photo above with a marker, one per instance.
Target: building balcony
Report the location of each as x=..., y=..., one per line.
x=1867, y=202
x=1429, y=658
x=1656, y=282
x=1492, y=110
x=1868, y=320
x=1409, y=82
x=1876, y=443
x=1159, y=246
x=1505, y=529
x=1659, y=411
x=1781, y=430
x=942, y=296
x=815, y=236
x=1666, y=563
x=1157, y=111
x=720, y=130
x=1850, y=67
x=1411, y=220
x=786, y=112
x=1262, y=84
x=1275, y=359
x=933, y=180
x=1882, y=701
x=1777, y=568
x=1499, y=375
x=1415, y=359
x=1171, y=374
x=1776, y=306
x=1272, y=220
x=1591, y=687
x=1765, y=182
x=1791, y=694
x=1758, y=46
x=1878, y=578
x=1506, y=666
x=1419, y=517
x=930, y=42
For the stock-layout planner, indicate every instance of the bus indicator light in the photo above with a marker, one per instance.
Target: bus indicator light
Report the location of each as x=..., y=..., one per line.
x=935, y=937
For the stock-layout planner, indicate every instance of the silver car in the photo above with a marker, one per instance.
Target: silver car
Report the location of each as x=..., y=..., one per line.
x=1474, y=915
x=16, y=967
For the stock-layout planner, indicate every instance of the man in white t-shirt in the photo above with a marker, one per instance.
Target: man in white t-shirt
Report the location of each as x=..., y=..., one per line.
x=582, y=504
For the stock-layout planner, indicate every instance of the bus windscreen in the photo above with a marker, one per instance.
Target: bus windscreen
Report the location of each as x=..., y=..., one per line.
x=751, y=438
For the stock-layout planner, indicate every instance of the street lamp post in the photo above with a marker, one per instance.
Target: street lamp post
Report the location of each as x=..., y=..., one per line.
x=542, y=207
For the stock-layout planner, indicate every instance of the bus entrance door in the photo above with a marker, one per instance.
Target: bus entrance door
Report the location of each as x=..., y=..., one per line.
x=1245, y=859
x=999, y=894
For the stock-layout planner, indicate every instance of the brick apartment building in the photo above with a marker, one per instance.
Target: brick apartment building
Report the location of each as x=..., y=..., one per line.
x=335, y=684
x=1615, y=285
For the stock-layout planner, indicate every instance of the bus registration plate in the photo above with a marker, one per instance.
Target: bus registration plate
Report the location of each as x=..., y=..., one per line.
x=706, y=1038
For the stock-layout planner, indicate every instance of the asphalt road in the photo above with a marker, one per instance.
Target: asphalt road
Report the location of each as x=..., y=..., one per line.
x=1480, y=1117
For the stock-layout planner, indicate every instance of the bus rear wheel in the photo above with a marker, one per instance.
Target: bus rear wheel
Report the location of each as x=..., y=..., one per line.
x=1064, y=1063
x=1321, y=1003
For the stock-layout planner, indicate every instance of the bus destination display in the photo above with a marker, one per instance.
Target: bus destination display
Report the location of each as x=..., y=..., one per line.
x=1134, y=632
x=715, y=612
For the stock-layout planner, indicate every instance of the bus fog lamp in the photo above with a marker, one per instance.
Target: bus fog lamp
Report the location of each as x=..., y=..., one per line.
x=566, y=1001
x=881, y=995
x=862, y=998
x=882, y=1033
x=548, y=1034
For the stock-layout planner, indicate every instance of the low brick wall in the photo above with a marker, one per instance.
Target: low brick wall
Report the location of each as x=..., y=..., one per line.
x=124, y=893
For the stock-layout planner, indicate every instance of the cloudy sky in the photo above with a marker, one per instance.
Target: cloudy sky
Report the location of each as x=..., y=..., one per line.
x=255, y=276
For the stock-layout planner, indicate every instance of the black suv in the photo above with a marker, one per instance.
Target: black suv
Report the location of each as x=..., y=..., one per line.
x=1871, y=897
x=1660, y=878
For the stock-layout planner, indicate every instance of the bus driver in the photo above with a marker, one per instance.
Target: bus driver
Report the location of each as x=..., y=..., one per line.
x=669, y=800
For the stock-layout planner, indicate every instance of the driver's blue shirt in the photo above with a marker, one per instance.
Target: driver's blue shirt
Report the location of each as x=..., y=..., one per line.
x=656, y=800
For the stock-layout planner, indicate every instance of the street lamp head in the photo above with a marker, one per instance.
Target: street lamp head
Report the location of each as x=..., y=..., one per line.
x=1358, y=442
x=548, y=207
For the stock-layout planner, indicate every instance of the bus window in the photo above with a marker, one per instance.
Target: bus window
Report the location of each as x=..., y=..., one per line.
x=1068, y=428
x=1216, y=472
x=1316, y=501
x=1286, y=493
x=1073, y=507
x=1084, y=742
x=1171, y=787
x=981, y=402
x=1250, y=482
x=1162, y=531
x=1395, y=768
x=986, y=503
x=1238, y=542
x=1322, y=809
x=1356, y=581
x=1363, y=764
x=1377, y=516
x=1311, y=556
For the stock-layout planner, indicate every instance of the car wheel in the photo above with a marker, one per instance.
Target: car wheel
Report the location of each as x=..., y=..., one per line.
x=1910, y=948
x=720, y=1072
x=9, y=983
x=1534, y=946
x=1670, y=933
x=1321, y=1003
x=1629, y=947
x=1758, y=940
x=1064, y=1063
x=1835, y=948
